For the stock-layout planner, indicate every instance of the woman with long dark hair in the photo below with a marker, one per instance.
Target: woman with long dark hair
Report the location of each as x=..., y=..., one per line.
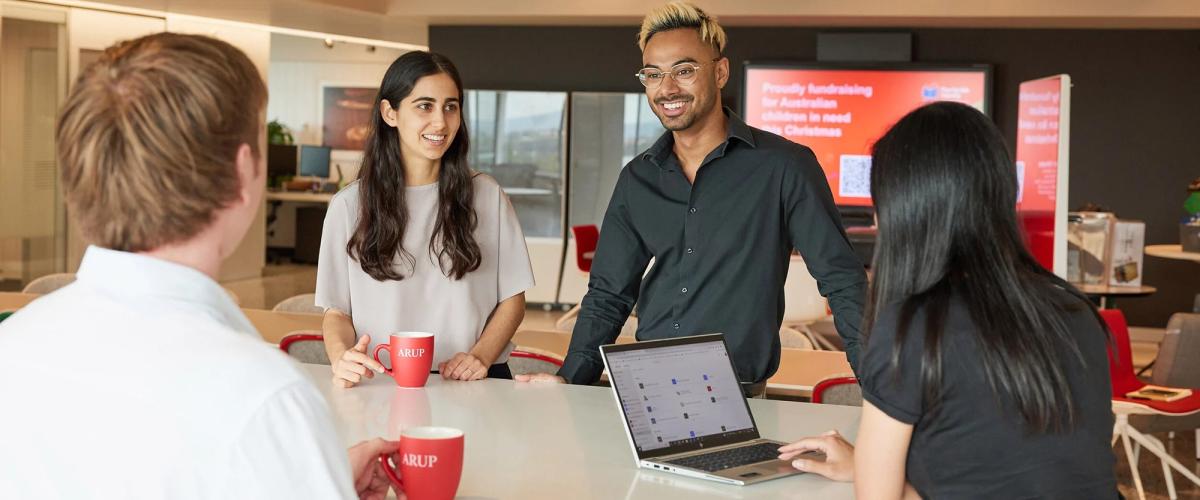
x=420, y=242
x=984, y=375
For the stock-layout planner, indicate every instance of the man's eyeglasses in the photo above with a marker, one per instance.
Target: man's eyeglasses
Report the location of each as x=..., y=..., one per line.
x=683, y=73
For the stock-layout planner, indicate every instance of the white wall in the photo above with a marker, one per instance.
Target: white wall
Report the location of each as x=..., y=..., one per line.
x=93, y=30
x=300, y=65
x=249, y=258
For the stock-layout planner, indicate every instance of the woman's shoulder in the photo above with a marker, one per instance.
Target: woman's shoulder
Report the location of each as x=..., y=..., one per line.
x=484, y=181
x=346, y=196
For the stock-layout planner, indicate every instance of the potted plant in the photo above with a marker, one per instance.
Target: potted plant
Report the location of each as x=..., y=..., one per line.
x=1189, y=229
x=278, y=133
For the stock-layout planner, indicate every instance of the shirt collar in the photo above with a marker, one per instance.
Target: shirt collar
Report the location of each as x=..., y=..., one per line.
x=159, y=283
x=737, y=129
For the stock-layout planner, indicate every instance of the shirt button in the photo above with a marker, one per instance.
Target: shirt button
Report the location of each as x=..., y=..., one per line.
x=689, y=250
x=676, y=325
x=684, y=290
x=692, y=210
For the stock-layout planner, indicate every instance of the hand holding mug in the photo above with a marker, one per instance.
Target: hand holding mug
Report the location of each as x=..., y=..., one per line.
x=370, y=480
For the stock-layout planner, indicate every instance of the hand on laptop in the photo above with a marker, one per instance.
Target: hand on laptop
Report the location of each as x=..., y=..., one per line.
x=463, y=366
x=540, y=377
x=355, y=364
x=839, y=456
x=370, y=482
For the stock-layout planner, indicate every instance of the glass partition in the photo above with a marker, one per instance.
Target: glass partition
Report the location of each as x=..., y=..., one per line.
x=607, y=130
x=518, y=138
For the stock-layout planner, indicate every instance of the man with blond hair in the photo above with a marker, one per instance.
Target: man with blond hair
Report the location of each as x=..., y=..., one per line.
x=719, y=205
x=142, y=379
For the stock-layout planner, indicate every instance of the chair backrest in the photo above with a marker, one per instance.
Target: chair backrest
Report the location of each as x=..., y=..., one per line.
x=1176, y=364
x=303, y=303
x=795, y=339
x=49, y=283
x=843, y=391
x=1120, y=367
x=525, y=362
x=802, y=300
x=567, y=324
x=586, y=238
x=307, y=346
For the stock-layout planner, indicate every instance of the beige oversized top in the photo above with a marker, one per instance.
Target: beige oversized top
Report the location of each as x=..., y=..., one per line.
x=426, y=299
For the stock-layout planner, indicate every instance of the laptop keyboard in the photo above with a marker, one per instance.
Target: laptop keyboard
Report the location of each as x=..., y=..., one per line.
x=728, y=459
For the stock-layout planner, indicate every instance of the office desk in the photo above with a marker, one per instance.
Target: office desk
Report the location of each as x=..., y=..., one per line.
x=299, y=196
x=1172, y=252
x=11, y=301
x=1108, y=293
x=535, y=441
x=799, y=370
x=524, y=191
x=273, y=326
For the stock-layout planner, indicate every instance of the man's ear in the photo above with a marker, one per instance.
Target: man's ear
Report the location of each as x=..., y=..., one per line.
x=722, y=71
x=247, y=165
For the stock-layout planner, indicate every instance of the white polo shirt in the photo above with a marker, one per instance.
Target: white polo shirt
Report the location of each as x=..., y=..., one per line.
x=142, y=379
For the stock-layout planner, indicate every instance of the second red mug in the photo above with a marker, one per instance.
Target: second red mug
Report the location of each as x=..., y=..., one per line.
x=411, y=357
x=431, y=463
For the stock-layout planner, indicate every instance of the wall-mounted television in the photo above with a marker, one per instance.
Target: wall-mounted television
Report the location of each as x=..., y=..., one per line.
x=840, y=110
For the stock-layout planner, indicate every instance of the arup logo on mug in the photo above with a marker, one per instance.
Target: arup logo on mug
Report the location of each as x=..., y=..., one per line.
x=431, y=462
x=411, y=356
x=415, y=460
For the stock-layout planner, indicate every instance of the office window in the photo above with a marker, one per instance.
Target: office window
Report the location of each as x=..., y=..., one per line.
x=518, y=138
x=607, y=130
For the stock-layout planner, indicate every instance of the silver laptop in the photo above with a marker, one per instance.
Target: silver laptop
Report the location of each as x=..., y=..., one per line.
x=685, y=413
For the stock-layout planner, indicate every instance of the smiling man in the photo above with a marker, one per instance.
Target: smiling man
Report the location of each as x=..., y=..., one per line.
x=719, y=205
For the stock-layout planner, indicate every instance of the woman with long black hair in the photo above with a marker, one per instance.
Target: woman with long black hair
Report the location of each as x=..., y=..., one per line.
x=984, y=375
x=420, y=242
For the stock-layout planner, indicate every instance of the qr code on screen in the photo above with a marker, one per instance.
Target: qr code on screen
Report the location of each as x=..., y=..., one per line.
x=854, y=174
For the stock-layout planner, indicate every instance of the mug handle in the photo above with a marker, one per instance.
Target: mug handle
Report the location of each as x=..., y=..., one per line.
x=385, y=462
x=378, y=348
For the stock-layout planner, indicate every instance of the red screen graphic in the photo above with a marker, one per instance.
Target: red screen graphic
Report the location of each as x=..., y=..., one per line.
x=1037, y=163
x=840, y=113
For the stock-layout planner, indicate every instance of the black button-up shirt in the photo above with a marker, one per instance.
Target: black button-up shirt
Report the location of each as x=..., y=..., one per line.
x=721, y=249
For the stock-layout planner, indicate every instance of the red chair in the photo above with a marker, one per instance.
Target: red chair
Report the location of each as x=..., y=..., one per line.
x=1124, y=380
x=525, y=362
x=306, y=346
x=838, y=391
x=586, y=238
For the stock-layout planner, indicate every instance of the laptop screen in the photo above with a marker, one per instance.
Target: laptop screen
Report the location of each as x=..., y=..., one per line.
x=678, y=395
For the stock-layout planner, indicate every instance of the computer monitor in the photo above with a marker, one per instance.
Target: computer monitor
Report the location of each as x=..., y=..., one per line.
x=314, y=161
x=281, y=160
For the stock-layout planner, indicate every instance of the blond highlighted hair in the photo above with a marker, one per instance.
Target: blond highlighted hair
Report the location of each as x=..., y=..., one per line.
x=682, y=15
x=148, y=138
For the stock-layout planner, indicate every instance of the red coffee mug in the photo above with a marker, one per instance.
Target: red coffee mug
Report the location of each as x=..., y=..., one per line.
x=411, y=357
x=431, y=462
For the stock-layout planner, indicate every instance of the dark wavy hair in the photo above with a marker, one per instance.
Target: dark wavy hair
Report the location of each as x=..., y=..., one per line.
x=377, y=241
x=945, y=192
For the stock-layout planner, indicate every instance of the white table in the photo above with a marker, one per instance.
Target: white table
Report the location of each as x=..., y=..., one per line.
x=524, y=191
x=559, y=441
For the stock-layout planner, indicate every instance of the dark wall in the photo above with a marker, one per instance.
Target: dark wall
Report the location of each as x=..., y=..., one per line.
x=1135, y=105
